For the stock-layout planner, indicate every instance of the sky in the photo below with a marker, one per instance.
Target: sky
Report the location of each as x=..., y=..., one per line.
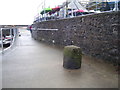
x=22, y=12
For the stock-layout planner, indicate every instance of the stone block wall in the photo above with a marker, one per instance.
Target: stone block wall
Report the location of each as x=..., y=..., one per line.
x=97, y=34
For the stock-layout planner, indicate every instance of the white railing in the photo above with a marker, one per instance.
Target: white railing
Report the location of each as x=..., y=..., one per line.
x=95, y=6
x=12, y=32
x=1, y=39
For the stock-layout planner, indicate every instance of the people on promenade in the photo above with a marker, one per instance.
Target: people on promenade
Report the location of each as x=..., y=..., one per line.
x=31, y=28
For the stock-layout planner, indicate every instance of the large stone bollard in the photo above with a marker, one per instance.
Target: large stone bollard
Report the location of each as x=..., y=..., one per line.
x=72, y=57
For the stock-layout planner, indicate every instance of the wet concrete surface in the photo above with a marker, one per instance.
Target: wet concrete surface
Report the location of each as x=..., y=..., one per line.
x=31, y=64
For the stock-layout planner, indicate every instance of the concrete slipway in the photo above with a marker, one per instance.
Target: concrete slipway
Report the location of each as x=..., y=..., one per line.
x=31, y=64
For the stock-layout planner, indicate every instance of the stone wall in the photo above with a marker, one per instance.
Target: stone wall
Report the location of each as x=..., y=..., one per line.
x=97, y=34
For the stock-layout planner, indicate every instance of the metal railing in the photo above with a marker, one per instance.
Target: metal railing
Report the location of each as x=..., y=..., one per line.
x=12, y=32
x=95, y=6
